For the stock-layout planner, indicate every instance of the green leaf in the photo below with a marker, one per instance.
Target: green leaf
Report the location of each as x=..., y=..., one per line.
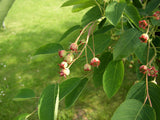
x=24, y=94
x=114, y=12
x=155, y=22
x=75, y=2
x=49, y=49
x=101, y=42
x=134, y=110
x=21, y=117
x=47, y=108
x=127, y=44
x=152, y=4
x=56, y=105
x=100, y=25
x=138, y=92
x=92, y=15
x=104, y=29
x=113, y=77
x=73, y=96
x=70, y=38
x=105, y=58
x=68, y=86
x=69, y=31
x=79, y=7
x=132, y=13
x=137, y=3
x=141, y=53
x=5, y=6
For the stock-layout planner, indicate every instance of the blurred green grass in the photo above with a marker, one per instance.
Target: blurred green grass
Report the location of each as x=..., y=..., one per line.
x=29, y=25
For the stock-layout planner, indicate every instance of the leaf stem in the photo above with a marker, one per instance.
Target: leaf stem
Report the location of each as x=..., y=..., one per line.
x=147, y=89
x=155, y=53
x=31, y=114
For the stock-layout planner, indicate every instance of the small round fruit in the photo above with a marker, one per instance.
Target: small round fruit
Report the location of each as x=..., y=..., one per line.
x=87, y=67
x=95, y=62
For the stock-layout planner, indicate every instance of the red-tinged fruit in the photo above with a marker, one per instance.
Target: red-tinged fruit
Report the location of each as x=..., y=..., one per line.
x=143, y=69
x=152, y=72
x=74, y=47
x=157, y=15
x=87, y=67
x=69, y=58
x=95, y=62
x=62, y=53
x=65, y=72
x=143, y=24
x=63, y=65
x=144, y=38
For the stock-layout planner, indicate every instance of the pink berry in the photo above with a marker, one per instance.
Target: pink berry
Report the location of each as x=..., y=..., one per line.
x=143, y=24
x=65, y=72
x=143, y=69
x=157, y=15
x=74, y=47
x=69, y=58
x=63, y=64
x=152, y=72
x=62, y=53
x=144, y=38
x=87, y=67
x=95, y=62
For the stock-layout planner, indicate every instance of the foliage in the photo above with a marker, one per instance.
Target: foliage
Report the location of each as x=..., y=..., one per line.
x=127, y=37
x=5, y=5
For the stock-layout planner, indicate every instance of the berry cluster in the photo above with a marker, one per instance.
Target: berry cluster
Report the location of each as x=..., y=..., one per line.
x=151, y=71
x=157, y=15
x=143, y=24
x=76, y=50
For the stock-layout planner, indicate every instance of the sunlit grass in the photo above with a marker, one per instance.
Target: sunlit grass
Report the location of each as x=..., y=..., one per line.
x=29, y=25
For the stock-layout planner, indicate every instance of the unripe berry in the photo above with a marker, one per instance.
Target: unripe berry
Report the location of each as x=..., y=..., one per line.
x=152, y=72
x=144, y=38
x=69, y=58
x=74, y=47
x=157, y=15
x=130, y=66
x=62, y=53
x=63, y=64
x=132, y=62
x=143, y=69
x=95, y=62
x=143, y=24
x=87, y=67
x=65, y=72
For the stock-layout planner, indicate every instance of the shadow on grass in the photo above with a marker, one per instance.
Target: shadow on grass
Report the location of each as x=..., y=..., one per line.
x=19, y=69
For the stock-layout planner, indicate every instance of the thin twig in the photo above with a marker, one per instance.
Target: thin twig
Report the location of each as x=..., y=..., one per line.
x=89, y=32
x=82, y=31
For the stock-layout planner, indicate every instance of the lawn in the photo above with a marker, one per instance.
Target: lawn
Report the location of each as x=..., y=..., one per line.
x=29, y=25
